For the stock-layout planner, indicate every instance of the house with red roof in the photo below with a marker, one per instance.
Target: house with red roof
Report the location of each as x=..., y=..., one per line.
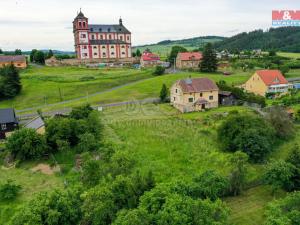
x=188, y=60
x=149, y=59
x=267, y=81
x=196, y=94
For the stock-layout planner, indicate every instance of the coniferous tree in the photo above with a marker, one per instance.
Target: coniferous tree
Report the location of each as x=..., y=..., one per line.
x=138, y=53
x=32, y=55
x=50, y=54
x=1, y=52
x=18, y=52
x=209, y=61
x=163, y=93
x=10, y=84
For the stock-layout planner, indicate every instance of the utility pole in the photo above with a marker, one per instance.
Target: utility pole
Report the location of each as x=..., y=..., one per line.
x=174, y=65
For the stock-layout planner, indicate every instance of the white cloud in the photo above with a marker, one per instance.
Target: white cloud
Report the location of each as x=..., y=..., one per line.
x=43, y=24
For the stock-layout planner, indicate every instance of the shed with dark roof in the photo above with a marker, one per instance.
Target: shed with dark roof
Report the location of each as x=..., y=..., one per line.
x=8, y=122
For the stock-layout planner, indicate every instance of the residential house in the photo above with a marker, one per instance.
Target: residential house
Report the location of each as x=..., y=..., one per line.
x=18, y=61
x=37, y=124
x=188, y=60
x=8, y=122
x=148, y=59
x=194, y=94
x=267, y=81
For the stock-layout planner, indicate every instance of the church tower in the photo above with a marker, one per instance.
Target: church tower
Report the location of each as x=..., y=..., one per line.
x=81, y=35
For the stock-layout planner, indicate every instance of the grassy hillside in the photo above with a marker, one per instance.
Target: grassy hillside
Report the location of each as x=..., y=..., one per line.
x=281, y=39
x=46, y=85
x=48, y=82
x=163, y=48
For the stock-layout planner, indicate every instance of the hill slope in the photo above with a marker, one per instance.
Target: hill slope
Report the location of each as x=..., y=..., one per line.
x=282, y=39
x=163, y=48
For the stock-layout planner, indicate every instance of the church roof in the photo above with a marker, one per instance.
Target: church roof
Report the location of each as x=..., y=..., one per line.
x=115, y=28
x=80, y=16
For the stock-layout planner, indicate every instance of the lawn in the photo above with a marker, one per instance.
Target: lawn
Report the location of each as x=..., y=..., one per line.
x=289, y=55
x=32, y=183
x=179, y=146
x=149, y=88
x=46, y=85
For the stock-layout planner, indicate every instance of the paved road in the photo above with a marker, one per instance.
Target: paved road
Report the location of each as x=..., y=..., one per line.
x=80, y=98
x=26, y=117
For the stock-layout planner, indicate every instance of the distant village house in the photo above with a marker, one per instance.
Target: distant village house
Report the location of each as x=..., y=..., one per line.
x=18, y=61
x=149, y=59
x=267, y=82
x=8, y=122
x=194, y=94
x=188, y=60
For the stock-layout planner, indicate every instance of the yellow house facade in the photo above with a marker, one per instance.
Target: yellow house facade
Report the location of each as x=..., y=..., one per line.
x=263, y=82
x=197, y=94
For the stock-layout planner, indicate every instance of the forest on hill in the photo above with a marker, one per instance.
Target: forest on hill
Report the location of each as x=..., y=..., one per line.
x=285, y=39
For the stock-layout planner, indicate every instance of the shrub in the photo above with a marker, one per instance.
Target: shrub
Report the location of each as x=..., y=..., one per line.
x=159, y=70
x=281, y=121
x=279, y=174
x=248, y=133
x=10, y=83
x=163, y=93
x=81, y=112
x=26, y=144
x=210, y=185
x=284, y=211
x=9, y=190
x=57, y=207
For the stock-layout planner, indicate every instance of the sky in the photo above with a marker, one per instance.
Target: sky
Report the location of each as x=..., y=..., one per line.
x=47, y=24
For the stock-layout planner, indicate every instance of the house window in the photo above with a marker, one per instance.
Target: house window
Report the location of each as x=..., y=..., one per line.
x=112, y=46
x=108, y=29
x=211, y=97
x=123, y=53
x=101, y=37
x=121, y=38
x=174, y=99
x=84, y=47
x=104, y=54
x=127, y=38
x=103, y=46
x=100, y=29
x=123, y=46
x=92, y=29
x=85, y=54
x=191, y=99
x=79, y=24
x=3, y=126
x=109, y=36
x=93, y=37
x=176, y=90
x=112, y=53
x=83, y=36
x=83, y=24
x=95, y=53
x=95, y=47
x=201, y=94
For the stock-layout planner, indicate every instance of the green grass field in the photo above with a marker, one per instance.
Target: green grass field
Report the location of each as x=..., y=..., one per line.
x=171, y=144
x=175, y=146
x=46, y=85
x=149, y=88
x=289, y=55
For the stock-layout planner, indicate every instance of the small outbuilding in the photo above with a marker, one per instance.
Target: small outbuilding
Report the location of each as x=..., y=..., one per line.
x=226, y=98
x=8, y=122
x=37, y=124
